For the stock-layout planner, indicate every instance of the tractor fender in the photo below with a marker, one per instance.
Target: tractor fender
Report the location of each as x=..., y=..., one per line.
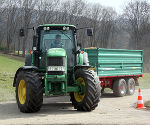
x=81, y=66
x=90, y=68
x=24, y=68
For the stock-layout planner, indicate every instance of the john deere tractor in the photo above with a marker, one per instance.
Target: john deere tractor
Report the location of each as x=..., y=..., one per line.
x=56, y=70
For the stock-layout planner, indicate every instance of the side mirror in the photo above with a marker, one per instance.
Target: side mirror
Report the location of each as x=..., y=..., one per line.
x=34, y=42
x=21, y=32
x=90, y=32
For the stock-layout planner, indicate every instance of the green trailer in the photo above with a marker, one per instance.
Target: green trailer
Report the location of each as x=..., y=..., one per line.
x=118, y=69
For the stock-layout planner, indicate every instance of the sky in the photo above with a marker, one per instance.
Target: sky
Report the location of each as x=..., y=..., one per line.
x=118, y=5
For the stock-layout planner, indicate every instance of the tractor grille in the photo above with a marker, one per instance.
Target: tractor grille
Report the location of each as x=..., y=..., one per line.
x=56, y=61
x=56, y=73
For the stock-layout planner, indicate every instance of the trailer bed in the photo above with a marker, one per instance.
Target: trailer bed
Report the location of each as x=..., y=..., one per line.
x=116, y=62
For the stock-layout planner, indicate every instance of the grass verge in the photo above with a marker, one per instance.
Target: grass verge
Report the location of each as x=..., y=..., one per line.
x=144, y=81
x=8, y=67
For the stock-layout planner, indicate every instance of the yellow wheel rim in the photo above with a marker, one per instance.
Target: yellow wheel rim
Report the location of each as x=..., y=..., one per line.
x=22, y=92
x=77, y=96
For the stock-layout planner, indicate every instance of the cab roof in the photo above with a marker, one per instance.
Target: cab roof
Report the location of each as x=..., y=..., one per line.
x=57, y=25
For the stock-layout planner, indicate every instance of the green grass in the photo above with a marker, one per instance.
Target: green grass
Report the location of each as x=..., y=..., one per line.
x=8, y=67
x=144, y=81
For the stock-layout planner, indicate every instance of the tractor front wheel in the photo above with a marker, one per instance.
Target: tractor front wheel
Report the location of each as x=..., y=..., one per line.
x=88, y=97
x=29, y=91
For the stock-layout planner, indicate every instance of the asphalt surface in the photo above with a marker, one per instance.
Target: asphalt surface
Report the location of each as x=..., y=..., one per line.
x=58, y=110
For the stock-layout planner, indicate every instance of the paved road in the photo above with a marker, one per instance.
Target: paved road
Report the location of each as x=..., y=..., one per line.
x=58, y=110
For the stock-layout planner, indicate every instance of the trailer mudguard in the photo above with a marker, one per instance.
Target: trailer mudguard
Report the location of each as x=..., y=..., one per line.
x=24, y=68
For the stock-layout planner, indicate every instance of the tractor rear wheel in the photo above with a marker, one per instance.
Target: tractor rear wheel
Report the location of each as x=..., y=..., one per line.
x=120, y=87
x=89, y=99
x=29, y=91
x=130, y=86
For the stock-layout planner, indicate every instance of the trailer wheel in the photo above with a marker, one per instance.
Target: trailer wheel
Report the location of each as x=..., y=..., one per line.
x=29, y=91
x=119, y=87
x=130, y=86
x=88, y=100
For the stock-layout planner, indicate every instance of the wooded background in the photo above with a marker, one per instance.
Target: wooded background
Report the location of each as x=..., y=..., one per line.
x=128, y=30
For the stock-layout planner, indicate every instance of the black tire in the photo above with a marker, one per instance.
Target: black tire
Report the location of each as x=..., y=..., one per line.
x=34, y=91
x=120, y=87
x=130, y=86
x=28, y=60
x=92, y=91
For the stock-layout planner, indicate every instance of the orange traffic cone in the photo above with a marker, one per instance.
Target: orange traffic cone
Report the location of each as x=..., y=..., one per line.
x=140, y=104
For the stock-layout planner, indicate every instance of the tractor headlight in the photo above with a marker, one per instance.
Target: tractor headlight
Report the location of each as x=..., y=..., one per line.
x=56, y=68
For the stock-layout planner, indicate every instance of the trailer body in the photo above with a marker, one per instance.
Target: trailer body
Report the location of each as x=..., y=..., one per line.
x=114, y=64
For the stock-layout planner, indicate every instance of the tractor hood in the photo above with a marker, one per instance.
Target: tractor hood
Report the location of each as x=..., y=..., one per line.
x=56, y=52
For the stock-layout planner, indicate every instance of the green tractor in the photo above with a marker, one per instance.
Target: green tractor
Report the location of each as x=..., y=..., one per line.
x=56, y=66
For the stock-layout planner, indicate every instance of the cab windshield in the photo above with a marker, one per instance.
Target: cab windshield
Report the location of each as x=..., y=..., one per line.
x=58, y=39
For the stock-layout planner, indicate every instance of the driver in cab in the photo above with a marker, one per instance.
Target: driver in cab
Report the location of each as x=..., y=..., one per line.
x=57, y=43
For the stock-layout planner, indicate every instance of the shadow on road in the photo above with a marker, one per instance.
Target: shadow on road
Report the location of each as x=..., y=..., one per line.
x=108, y=95
x=10, y=110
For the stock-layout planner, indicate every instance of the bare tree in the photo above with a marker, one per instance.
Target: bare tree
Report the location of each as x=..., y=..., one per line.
x=47, y=11
x=107, y=24
x=138, y=14
x=10, y=22
x=27, y=11
x=71, y=11
x=2, y=13
x=102, y=21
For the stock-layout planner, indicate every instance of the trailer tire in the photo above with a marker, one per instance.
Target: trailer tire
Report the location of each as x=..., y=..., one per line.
x=29, y=91
x=130, y=86
x=120, y=87
x=89, y=100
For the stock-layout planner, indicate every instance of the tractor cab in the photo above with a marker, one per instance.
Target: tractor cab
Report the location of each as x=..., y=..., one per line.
x=55, y=37
x=58, y=36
